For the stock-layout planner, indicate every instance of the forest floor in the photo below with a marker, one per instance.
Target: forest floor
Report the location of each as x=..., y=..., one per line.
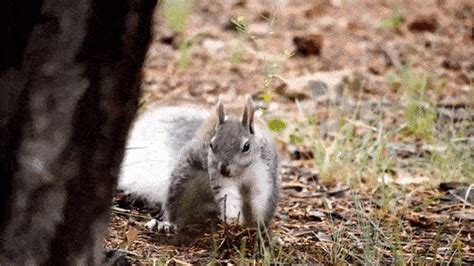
x=372, y=106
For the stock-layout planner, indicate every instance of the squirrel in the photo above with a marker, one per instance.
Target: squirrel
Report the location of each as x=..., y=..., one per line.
x=212, y=166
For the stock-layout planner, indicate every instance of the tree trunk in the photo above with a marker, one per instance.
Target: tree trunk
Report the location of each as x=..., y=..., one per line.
x=70, y=78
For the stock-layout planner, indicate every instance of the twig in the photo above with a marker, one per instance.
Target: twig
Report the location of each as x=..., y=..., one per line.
x=361, y=124
x=128, y=213
x=466, y=197
x=176, y=261
x=392, y=56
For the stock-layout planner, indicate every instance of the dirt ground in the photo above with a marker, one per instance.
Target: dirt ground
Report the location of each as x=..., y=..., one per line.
x=355, y=49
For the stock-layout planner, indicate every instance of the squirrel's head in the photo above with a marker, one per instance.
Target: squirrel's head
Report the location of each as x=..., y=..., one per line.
x=234, y=147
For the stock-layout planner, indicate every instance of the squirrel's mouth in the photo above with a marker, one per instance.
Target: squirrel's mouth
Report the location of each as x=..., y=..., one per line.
x=230, y=175
x=227, y=175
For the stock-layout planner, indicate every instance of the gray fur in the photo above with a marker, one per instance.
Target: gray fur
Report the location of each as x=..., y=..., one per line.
x=190, y=185
x=229, y=150
x=198, y=172
x=269, y=155
x=247, y=117
x=181, y=129
x=154, y=147
x=220, y=112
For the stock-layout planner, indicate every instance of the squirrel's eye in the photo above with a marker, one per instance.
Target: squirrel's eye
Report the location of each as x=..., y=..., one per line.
x=246, y=147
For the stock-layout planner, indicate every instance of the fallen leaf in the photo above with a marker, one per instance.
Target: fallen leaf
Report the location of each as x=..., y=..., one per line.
x=131, y=235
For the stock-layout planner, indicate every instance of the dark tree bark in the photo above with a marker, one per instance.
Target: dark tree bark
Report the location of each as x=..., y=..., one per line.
x=70, y=78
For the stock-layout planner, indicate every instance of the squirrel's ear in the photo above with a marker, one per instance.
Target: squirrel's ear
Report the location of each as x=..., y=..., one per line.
x=247, y=117
x=220, y=112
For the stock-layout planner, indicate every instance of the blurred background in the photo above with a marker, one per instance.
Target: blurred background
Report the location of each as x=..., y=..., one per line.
x=403, y=67
x=371, y=103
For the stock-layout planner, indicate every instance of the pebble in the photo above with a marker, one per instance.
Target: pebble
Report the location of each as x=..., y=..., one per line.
x=311, y=44
x=424, y=23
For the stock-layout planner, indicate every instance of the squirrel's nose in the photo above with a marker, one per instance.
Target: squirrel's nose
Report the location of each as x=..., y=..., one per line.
x=224, y=170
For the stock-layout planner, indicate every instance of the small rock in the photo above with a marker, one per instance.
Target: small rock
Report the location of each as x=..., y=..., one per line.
x=374, y=69
x=464, y=11
x=318, y=87
x=459, y=194
x=323, y=237
x=335, y=215
x=213, y=46
x=465, y=193
x=264, y=15
x=464, y=215
x=434, y=148
x=311, y=44
x=337, y=192
x=241, y=3
x=316, y=216
x=327, y=23
x=298, y=154
x=336, y=3
x=408, y=180
x=167, y=39
x=278, y=240
x=283, y=217
x=451, y=64
x=385, y=179
x=227, y=24
x=309, y=177
x=259, y=29
x=403, y=150
x=295, y=22
x=291, y=93
x=170, y=38
x=317, y=9
x=424, y=23
x=466, y=77
x=377, y=65
x=446, y=186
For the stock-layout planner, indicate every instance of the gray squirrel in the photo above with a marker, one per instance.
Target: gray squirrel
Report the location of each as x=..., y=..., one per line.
x=204, y=166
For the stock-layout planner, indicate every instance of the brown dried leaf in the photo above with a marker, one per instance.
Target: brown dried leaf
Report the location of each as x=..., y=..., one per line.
x=131, y=235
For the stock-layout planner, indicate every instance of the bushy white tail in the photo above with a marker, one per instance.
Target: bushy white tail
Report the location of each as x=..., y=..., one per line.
x=154, y=146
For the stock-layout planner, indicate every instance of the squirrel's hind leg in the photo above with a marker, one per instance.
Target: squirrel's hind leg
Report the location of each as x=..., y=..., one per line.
x=190, y=199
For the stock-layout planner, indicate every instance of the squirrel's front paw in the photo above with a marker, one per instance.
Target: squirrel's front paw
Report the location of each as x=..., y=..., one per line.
x=166, y=227
x=233, y=220
x=161, y=226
